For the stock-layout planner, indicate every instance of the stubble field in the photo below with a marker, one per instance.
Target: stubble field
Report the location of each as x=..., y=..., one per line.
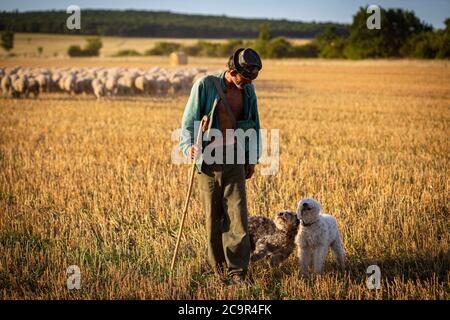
x=91, y=183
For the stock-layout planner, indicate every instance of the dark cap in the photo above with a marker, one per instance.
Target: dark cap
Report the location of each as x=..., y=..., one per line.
x=247, y=62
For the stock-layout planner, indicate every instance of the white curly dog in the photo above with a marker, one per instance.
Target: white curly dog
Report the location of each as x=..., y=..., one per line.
x=317, y=233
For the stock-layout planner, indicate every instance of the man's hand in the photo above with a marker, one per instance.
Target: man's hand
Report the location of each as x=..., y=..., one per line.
x=249, y=170
x=194, y=151
x=194, y=147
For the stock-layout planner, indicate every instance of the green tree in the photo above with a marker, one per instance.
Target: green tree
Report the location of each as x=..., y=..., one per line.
x=163, y=48
x=75, y=51
x=265, y=33
x=424, y=45
x=93, y=46
x=228, y=48
x=7, y=41
x=397, y=26
x=428, y=44
x=127, y=53
x=444, y=42
x=331, y=44
x=447, y=24
x=133, y=23
x=260, y=47
x=278, y=48
x=309, y=50
x=208, y=49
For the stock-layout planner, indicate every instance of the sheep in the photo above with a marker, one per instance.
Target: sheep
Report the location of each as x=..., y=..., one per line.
x=32, y=87
x=162, y=85
x=69, y=83
x=111, y=85
x=99, y=88
x=19, y=86
x=43, y=81
x=83, y=85
x=126, y=85
x=141, y=84
x=20, y=81
x=152, y=85
x=5, y=85
x=54, y=82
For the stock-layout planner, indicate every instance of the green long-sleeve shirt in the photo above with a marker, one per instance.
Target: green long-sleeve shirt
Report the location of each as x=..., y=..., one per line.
x=202, y=100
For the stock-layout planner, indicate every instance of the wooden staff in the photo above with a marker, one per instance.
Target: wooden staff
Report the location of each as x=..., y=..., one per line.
x=202, y=128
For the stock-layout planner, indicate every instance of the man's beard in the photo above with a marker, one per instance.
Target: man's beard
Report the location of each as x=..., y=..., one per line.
x=240, y=87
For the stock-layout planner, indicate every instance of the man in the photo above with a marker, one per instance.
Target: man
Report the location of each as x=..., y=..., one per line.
x=222, y=183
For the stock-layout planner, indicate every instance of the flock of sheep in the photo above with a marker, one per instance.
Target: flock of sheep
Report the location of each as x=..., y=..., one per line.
x=21, y=82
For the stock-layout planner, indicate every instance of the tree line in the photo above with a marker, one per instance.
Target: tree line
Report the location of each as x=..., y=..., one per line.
x=133, y=23
x=402, y=35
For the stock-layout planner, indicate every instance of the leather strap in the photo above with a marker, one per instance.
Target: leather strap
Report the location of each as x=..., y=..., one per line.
x=224, y=99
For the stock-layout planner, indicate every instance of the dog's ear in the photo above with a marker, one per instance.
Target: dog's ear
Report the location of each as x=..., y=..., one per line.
x=293, y=214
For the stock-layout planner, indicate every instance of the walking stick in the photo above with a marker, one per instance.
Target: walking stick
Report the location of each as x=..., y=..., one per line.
x=191, y=180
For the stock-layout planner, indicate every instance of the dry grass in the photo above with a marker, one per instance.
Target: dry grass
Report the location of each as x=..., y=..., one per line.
x=91, y=183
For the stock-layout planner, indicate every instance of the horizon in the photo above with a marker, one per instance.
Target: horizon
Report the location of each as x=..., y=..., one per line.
x=431, y=12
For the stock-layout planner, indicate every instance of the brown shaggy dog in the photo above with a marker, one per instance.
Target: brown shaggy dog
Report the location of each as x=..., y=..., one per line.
x=273, y=239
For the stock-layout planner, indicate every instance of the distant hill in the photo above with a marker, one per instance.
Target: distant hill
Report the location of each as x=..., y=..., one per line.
x=132, y=23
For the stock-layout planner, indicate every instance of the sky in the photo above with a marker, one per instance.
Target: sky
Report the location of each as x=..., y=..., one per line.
x=430, y=11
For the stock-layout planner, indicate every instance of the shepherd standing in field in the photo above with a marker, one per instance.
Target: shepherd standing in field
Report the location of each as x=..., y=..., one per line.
x=227, y=157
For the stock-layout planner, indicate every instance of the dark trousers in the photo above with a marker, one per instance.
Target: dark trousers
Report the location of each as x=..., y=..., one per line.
x=223, y=196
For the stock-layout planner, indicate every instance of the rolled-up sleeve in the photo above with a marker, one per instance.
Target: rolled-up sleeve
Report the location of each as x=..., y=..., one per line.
x=192, y=113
